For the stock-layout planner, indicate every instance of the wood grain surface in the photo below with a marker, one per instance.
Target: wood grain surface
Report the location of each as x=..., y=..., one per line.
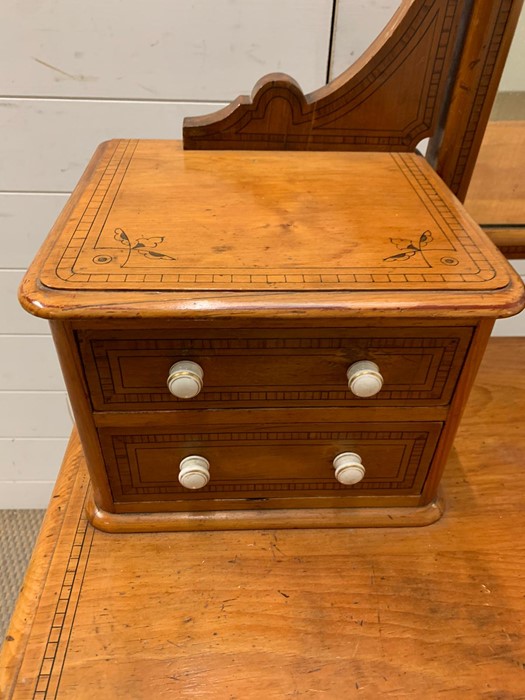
x=172, y=233
x=496, y=196
x=432, y=72
x=281, y=460
x=411, y=613
x=165, y=235
x=133, y=456
x=271, y=367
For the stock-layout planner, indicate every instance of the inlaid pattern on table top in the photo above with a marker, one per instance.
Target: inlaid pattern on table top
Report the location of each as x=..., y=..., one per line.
x=409, y=612
x=153, y=217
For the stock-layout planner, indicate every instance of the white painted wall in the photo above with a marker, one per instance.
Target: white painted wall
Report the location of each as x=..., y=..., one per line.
x=74, y=74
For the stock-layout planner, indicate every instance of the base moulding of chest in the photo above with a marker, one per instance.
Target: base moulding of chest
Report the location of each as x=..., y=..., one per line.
x=416, y=516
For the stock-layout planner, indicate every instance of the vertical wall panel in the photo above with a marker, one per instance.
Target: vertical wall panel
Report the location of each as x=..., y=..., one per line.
x=25, y=220
x=25, y=494
x=159, y=49
x=513, y=78
x=30, y=459
x=73, y=75
x=13, y=319
x=46, y=144
x=357, y=24
x=34, y=414
x=29, y=362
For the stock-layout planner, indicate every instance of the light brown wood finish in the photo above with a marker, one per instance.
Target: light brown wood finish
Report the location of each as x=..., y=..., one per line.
x=496, y=195
x=356, y=516
x=459, y=401
x=292, y=447
x=167, y=255
x=73, y=373
x=407, y=613
x=137, y=228
x=272, y=367
x=279, y=459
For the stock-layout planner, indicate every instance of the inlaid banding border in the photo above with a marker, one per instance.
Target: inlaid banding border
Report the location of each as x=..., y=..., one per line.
x=46, y=686
x=125, y=470
x=92, y=220
x=108, y=382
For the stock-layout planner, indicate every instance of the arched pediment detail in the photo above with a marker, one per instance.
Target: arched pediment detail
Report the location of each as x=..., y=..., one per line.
x=388, y=100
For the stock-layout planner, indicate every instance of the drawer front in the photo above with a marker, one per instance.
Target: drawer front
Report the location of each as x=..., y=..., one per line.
x=272, y=368
x=265, y=462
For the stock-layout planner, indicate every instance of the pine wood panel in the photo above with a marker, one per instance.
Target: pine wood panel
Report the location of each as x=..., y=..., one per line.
x=99, y=456
x=393, y=97
x=370, y=613
x=412, y=249
x=255, y=241
x=283, y=201
x=454, y=149
x=496, y=194
x=263, y=367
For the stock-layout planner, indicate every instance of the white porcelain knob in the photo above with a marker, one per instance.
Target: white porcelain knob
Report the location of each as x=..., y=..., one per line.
x=194, y=472
x=364, y=378
x=185, y=379
x=348, y=468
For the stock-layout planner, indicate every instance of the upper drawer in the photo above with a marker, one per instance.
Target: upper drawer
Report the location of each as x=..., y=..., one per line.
x=272, y=368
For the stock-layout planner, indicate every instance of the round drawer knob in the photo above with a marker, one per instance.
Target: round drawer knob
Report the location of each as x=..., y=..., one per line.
x=194, y=472
x=364, y=378
x=185, y=379
x=348, y=468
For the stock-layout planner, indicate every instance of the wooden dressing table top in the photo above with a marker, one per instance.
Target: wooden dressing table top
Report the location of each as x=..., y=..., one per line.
x=416, y=612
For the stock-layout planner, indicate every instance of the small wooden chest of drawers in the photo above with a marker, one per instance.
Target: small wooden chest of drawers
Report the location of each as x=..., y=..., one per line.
x=280, y=339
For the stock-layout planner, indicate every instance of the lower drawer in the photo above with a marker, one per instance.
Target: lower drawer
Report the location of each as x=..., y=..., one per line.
x=278, y=465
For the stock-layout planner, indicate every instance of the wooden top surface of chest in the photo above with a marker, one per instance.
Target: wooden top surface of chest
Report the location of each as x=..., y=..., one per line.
x=154, y=230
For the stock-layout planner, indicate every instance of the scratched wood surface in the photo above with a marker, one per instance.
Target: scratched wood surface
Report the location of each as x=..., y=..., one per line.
x=414, y=613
